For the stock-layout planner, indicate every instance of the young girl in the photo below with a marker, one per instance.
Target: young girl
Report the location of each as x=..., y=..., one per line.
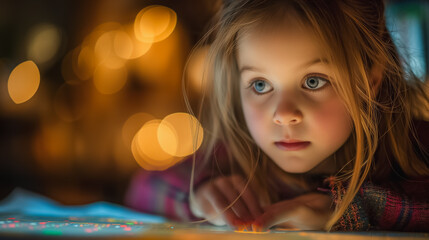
x=312, y=123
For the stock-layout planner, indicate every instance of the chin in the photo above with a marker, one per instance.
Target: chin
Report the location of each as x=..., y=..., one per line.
x=296, y=169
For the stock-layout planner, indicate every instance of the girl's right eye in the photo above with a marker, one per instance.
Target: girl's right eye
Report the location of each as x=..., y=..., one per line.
x=261, y=87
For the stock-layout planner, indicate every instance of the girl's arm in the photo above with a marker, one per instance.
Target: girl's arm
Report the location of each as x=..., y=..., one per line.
x=382, y=208
x=166, y=192
x=162, y=192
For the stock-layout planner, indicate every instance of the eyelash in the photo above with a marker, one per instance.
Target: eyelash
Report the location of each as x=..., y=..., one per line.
x=323, y=77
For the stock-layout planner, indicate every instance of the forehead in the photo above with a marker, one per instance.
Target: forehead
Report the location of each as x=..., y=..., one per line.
x=290, y=42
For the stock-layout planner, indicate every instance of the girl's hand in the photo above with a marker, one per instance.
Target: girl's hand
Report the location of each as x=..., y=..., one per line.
x=213, y=197
x=306, y=212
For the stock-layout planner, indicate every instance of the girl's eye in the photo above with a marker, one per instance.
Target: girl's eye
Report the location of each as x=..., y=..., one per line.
x=315, y=83
x=261, y=87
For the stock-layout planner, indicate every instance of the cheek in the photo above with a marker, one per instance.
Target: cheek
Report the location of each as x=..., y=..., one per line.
x=333, y=122
x=255, y=119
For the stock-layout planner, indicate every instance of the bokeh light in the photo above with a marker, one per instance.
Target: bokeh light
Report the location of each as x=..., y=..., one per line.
x=67, y=71
x=122, y=44
x=147, y=150
x=195, y=68
x=154, y=23
x=182, y=129
x=51, y=146
x=139, y=48
x=109, y=80
x=149, y=145
x=162, y=65
x=97, y=32
x=23, y=82
x=44, y=43
x=132, y=125
x=103, y=76
x=84, y=63
x=104, y=50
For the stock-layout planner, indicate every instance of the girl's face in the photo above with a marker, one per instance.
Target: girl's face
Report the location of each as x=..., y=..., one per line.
x=289, y=104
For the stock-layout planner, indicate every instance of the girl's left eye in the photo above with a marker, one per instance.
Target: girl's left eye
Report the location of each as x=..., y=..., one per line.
x=315, y=83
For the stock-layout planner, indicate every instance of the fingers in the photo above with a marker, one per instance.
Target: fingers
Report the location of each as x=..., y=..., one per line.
x=218, y=201
x=213, y=198
x=274, y=215
x=249, y=198
x=306, y=212
x=227, y=187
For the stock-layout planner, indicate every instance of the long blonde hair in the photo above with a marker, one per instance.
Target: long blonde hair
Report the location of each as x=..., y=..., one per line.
x=356, y=40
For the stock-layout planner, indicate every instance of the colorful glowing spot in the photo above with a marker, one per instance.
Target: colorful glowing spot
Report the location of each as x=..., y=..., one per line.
x=52, y=232
x=251, y=232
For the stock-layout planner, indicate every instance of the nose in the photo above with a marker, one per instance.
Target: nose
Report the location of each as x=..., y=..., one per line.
x=287, y=113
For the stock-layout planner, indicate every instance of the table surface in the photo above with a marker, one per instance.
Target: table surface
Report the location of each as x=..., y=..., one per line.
x=21, y=227
x=25, y=215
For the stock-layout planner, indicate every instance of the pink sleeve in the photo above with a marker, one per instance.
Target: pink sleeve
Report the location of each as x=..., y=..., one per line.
x=166, y=192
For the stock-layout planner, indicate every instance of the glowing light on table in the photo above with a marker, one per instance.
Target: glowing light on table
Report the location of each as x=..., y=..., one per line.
x=180, y=134
x=250, y=232
x=23, y=82
x=44, y=43
x=108, y=80
x=154, y=23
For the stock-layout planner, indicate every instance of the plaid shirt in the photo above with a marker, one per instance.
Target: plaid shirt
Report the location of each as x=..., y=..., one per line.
x=165, y=192
x=378, y=207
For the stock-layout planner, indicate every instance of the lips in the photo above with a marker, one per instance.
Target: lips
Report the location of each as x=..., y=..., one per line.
x=292, y=145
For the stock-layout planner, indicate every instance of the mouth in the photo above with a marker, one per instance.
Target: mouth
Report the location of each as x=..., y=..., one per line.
x=292, y=145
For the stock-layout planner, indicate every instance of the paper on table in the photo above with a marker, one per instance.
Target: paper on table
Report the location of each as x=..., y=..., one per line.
x=27, y=203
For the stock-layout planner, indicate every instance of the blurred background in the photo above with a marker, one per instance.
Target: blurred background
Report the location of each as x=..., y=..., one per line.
x=80, y=81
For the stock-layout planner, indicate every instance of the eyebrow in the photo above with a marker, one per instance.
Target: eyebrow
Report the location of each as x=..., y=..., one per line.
x=305, y=65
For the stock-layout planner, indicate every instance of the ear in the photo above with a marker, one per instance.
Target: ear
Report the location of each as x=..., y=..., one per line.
x=377, y=72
